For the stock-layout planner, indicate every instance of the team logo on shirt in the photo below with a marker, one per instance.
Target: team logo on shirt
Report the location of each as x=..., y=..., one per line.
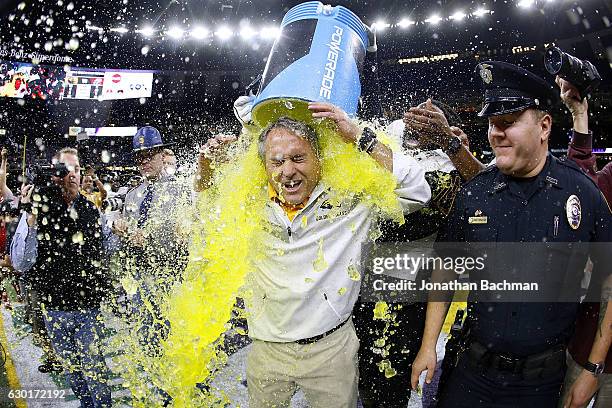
x=573, y=211
x=141, y=140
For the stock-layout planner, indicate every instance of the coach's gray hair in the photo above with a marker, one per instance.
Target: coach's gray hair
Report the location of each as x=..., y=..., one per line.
x=299, y=128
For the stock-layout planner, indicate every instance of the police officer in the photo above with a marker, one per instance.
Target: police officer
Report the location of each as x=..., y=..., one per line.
x=515, y=351
x=154, y=255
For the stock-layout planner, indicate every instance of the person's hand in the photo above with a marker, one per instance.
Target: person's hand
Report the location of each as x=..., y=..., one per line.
x=348, y=130
x=571, y=97
x=426, y=359
x=137, y=238
x=429, y=124
x=26, y=193
x=4, y=153
x=120, y=227
x=461, y=135
x=582, y=390
x=216, y=147
x=243, y=106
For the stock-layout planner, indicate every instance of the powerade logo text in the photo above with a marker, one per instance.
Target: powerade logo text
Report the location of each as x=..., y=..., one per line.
x=330, y=66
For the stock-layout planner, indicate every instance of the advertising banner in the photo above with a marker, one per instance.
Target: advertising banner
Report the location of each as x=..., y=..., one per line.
x=22, y=80
x=127, y=85
x=83, y=85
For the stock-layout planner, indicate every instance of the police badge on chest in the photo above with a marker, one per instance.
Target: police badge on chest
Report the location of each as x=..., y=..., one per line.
x=573, y=211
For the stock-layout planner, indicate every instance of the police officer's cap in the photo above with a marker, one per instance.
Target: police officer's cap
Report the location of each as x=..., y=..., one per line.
x=509, y=88
x=147, y=138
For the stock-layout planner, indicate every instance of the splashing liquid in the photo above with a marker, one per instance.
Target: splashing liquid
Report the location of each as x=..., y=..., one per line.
x=226, y=238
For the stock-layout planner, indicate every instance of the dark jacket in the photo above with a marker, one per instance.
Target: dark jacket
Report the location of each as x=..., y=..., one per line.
x=531, y=211
x=68, y=272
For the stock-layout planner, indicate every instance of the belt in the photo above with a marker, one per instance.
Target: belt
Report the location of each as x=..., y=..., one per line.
x=314, y=339
x=534, y=365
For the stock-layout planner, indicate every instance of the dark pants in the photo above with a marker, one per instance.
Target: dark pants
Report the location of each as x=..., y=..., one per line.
x=380, y=386
x=39, y=330
x=471, y=386
x=77, y=337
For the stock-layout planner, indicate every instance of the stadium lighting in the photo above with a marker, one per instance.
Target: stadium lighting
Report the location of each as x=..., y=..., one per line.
x=146, y=31
x=120, y=30
x=481, y=11
x=199, y=32
x=525, y=3
x=380, y=25
x=458, y=16
x=95, y=28
x=175, y=32
x=224, y=33
x=246, y=32
x=405, y=23
x=270, y=32
x=434, y=19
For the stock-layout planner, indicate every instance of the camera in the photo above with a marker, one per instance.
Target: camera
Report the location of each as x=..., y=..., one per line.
x=581, y=73
x=114, y=203
x=40, y=176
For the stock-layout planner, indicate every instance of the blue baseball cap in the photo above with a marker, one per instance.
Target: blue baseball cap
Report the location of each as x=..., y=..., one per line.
x=148, y=137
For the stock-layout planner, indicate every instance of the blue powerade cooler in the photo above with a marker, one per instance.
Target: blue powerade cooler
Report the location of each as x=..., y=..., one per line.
x=317, y=57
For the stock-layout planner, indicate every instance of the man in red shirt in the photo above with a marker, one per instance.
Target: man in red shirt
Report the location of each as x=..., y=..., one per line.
x=580, y=382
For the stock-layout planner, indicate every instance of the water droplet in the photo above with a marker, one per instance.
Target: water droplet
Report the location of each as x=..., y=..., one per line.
x=390, y=372
x=320, y=264
x=353, y=273
x=381, y=311
x=73, y=44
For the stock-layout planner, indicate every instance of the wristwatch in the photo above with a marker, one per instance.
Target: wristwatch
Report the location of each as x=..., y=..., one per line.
x=595, y=368
x=367, y=141
x=453, y=146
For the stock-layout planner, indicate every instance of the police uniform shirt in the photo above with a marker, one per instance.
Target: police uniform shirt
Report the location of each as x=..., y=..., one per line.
x=162, y=246
x=494, y=207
